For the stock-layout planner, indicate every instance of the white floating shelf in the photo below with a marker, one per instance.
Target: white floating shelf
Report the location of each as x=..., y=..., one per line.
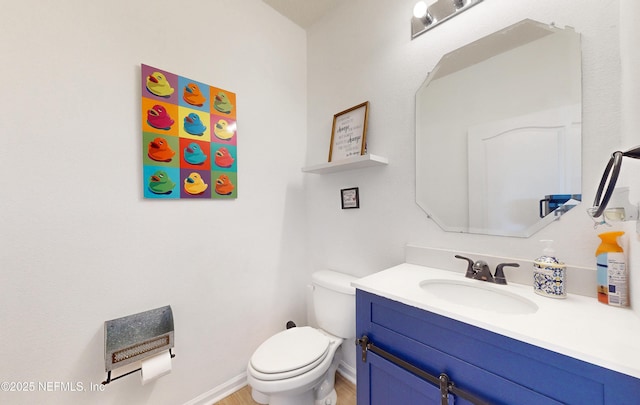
x=357, y=162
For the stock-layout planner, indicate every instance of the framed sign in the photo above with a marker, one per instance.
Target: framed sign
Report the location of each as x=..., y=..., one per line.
x=350, y=198
x=349, y=132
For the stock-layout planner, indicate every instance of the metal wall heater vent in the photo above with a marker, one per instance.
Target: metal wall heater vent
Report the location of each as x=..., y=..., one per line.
x=139, y=349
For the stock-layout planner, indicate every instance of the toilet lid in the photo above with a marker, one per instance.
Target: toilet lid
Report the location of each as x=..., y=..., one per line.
x=289, y=350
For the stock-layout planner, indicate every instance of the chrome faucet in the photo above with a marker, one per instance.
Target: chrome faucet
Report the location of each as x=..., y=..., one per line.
x=479, y=270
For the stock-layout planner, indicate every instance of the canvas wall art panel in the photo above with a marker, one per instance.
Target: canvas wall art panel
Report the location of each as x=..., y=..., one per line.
x=189, y=138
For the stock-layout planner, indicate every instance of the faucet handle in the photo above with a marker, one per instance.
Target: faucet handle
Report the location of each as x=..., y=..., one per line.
x=470, y=271
x=499, y=276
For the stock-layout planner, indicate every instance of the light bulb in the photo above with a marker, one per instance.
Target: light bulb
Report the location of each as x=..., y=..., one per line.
x=420, y=9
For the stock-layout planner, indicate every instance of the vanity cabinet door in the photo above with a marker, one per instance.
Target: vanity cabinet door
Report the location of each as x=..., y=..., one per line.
x=390, y=384
x=492, y=367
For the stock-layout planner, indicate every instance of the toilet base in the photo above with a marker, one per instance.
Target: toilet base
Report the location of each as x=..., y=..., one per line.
x=325, y=393
x=306, y=397
x=331, y=399
x=259, y=397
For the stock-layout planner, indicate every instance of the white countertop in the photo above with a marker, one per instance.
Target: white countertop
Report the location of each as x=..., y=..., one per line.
x=577, y=326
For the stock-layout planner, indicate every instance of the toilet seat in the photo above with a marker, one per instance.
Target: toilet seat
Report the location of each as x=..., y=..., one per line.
x=290, y=353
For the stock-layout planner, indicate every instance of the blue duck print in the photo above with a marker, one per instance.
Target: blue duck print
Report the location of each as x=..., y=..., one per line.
x=194, y=155
x=193, y=125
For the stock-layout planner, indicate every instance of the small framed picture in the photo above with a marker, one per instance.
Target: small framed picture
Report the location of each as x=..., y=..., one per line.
x=349, y=133
x=350, y=198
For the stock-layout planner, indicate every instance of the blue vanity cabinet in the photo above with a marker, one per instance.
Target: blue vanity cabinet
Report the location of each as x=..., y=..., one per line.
x=492, y=367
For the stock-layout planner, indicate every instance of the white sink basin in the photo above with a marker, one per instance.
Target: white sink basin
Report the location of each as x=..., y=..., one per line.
x=479, y=295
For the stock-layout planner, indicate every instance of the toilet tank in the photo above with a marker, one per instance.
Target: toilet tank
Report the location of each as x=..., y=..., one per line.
x=334, y=302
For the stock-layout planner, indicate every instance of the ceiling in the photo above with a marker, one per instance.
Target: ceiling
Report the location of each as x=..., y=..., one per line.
x=304, y=12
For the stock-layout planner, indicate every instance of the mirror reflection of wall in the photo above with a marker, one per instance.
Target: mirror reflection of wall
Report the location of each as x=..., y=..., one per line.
x=498, y=131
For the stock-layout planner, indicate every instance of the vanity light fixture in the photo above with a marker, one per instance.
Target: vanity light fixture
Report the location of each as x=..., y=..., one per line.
x=426, y=16
x=420, y=10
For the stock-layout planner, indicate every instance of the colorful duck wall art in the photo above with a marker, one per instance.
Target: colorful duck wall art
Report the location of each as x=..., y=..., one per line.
x=158, y=85
x=160, y=183
x=193, y=95
x=193, y=125
x=159, y=150
x=189, y=145
x=159, y=118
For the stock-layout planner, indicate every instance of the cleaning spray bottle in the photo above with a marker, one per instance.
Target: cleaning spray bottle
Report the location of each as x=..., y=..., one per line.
x=613, y=278
x=549, y=274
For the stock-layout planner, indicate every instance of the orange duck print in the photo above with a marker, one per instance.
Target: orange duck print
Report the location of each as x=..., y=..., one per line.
x=224, y=186
x=193, y=95
x=160, y=151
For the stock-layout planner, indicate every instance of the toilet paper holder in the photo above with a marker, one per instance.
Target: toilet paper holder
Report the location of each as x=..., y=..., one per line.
x=136, y=337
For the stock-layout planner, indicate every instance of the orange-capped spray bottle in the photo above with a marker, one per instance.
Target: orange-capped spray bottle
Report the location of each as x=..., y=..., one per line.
x=613, y=280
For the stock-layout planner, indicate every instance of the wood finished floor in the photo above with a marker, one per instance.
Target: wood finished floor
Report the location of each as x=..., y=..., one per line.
x=345, y=390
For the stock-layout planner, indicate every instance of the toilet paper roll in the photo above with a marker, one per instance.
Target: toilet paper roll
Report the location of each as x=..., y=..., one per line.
x=155, y=367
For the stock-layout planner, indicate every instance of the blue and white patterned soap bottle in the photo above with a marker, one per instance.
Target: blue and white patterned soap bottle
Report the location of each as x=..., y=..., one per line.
x=549, y=274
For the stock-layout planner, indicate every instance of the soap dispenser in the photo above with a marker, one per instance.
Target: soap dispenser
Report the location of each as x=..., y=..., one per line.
x=549, y=274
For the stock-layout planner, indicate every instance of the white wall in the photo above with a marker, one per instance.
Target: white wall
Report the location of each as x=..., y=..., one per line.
x=363, y=51
x=79, y=245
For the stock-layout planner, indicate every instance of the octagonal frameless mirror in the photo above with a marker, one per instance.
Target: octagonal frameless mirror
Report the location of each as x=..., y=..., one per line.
x=498, y=132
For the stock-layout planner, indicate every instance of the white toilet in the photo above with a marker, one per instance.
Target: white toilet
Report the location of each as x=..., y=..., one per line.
x=297, y=366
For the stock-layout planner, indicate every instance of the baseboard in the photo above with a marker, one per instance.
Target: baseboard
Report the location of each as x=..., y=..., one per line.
x=237, y=383
x=347, y=372
x=220, y=392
